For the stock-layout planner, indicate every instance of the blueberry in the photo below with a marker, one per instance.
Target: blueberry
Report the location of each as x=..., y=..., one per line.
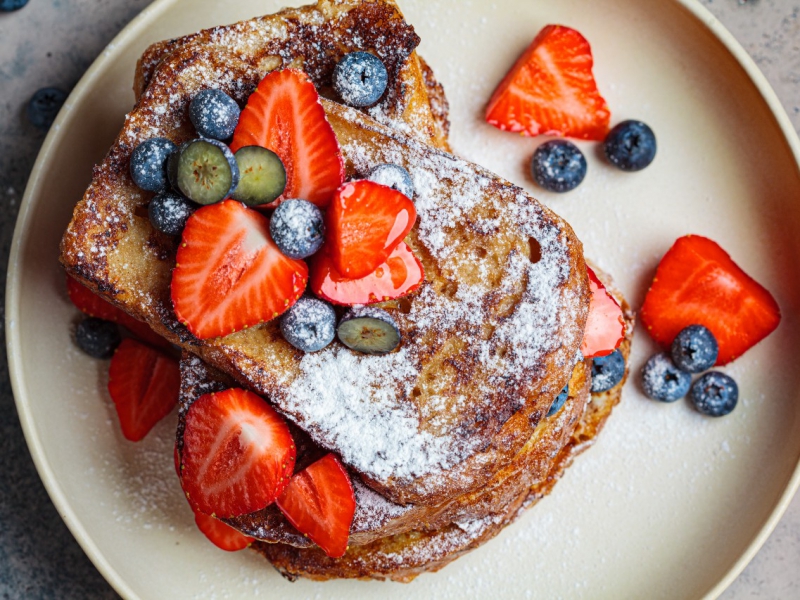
x=44, y=106
x=204, y=170
x=214, y=114
x=663, y=380
x=714, y=394
x=694, y=349
x=631, y=146
x=149, y=163
x=309, y=325
x=559, y=401
x=168, y=212
x=558, y=166
x=360, y=79
x=9, y=5
x=98, y=338
x=369, y=330
x=393, y=176
x=607, y=371
x=297, y=228
x=262, y=176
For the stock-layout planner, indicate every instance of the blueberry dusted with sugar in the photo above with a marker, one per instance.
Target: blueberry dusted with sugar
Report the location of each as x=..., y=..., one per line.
x=662, y=380
x=44, y=105
x=309, y=325
x=262, y=177
x=298, y=228
x=9, y=5
x=607, y=371
x=149, y=164
x=97, y=338
x=395, y=177
x=168, y=212
x=214, y=114
x=714, y=394
x=204, y=170
x=360, y=78
x=694, y=349
x=558, y=403
x=558, y=166
x=631, y=146
x=369, y=330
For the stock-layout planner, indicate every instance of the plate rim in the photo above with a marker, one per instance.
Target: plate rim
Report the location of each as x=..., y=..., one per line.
x=20, y=237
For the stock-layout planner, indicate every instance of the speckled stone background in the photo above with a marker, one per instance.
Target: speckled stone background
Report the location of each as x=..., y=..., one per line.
x=51, y=43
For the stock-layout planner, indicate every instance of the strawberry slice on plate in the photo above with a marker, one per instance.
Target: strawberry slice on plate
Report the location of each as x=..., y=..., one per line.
x=605, y=326
x=697, y=283
x=144, y=385
x=221, y=534
x=238, y=454
x=551, y=90
x=230, y=274
x=319, y=501
x=365, y=222
x=284, y=115
x=398, y=276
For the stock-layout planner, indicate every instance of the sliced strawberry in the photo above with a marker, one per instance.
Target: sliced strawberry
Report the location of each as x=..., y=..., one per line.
x=605, y=327
x=144, y=385
x=221, y=534
x=697, y=283
x=284, y=115
x=400, y=275
x=550, y=90
x=230, y=274
x=319, y=501
x=365, y=222
x=237, y=454
x=142, y=330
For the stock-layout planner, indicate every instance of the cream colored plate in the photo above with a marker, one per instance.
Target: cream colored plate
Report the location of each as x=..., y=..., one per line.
x=667, y=505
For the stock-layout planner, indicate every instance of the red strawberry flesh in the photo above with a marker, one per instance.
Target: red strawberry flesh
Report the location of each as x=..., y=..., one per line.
x=605, y=326
x=220, y=534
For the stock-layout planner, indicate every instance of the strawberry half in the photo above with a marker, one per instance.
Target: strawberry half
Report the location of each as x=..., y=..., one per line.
x=365, y=222
x=284, y=115
x=144, y=385
x=605, y=326
x=221, y=534
x=319, y=501
x=398, y=276
x=237, y=454
x=551, y=90
x=230, y=274
x=697, y=283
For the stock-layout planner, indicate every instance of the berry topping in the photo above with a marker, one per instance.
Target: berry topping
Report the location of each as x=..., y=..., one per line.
x=262, y=177
x=605, y=325
x=149, y=164
x=230, y=274
x=558, y=403
x=400, y=275
x=237, y=454
x=9, y=5
x=98, y=338
x=663, y=380
x=697, y=283
x=393, y=176
x=558, y=166
x=214, y=114
x=204, y=171
x=284, y=114
x=310, y=324
x=221, y=534
x=144, y=385
x=297, y=228
x=714, y=394
x=168, y=212
x=366, y=221
x=550, y=90
x=694, y=349
x=369, y=330
x=607, y=371
x=319, y=501
x=44, y=105
x=631, y=146
x=360, y=79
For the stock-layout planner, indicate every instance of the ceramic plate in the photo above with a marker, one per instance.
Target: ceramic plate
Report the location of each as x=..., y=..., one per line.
x=667, y=504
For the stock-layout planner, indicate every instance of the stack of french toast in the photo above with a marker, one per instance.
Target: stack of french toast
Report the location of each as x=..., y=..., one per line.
x=446, y=439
